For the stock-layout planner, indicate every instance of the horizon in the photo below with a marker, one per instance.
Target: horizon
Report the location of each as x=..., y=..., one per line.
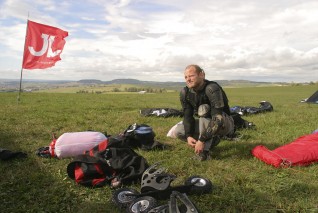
x=134, y=79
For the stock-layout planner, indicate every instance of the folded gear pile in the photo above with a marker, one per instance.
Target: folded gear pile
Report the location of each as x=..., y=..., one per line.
x=108, y=163
x=301, y=152
x=264, y=106
x=161, y=112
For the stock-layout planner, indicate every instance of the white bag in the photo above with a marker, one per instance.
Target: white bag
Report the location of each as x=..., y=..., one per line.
x=71, y=144
x=172, y=131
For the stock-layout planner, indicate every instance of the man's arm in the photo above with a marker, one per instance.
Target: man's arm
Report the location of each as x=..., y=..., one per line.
x=188, y=111
x=215, y=96
x=217, y=102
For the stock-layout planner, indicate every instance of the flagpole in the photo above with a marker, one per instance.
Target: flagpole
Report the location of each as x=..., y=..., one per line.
x=20, y=85
x=26, y=31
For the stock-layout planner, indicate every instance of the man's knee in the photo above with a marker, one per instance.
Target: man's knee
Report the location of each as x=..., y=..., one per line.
x=204, y=110
x=227, y=127
x=220, y=125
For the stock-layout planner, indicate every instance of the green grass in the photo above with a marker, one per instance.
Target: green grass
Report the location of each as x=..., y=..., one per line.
x=241, y=182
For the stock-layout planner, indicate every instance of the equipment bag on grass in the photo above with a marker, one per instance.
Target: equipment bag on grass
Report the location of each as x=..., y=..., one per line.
x=139, y=135
x=161, y=112
x=108, y=163
x=302, y=151
x=71, y=144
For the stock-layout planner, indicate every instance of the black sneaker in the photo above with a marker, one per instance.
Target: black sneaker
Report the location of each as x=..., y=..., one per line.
x=203, y=156
x=234, y=137
x=249, y=125
x=215, y=141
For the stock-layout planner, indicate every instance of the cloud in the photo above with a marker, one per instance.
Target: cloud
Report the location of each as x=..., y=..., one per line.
x=155, y=40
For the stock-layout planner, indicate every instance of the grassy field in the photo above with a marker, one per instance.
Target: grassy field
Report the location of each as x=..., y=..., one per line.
x=241, y=182
x=77, y=88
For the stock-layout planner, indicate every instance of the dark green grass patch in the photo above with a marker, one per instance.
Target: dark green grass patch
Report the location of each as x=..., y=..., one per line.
x=241, y=182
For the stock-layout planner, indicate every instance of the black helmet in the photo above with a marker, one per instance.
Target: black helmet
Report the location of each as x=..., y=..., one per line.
x=155, y=179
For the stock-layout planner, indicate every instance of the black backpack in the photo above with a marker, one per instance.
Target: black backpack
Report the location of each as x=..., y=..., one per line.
x=108, y=163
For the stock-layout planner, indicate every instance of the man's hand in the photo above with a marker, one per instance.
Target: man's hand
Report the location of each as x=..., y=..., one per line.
x=199, y=146
x=191, y=141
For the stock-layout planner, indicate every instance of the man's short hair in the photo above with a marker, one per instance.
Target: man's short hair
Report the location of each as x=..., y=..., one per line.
x=197, y=68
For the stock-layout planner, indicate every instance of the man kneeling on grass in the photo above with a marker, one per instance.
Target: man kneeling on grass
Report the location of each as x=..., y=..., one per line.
x=207, y=100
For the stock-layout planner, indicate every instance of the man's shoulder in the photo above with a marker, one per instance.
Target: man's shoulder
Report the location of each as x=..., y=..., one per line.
x=212, y=85
x=184, y=91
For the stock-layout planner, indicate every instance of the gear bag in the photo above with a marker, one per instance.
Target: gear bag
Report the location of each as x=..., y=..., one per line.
x=139, y=136
x=106, y=163
x=161, y=112
x=264, y=106
x=71, y=144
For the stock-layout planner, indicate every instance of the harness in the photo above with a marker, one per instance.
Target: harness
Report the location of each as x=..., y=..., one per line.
x=197, y=99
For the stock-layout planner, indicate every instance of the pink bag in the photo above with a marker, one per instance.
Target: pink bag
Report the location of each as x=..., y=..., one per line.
x=71, y=144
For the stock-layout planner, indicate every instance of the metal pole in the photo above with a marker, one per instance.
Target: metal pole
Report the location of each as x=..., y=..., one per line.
x=20, y=85
x=26, y=32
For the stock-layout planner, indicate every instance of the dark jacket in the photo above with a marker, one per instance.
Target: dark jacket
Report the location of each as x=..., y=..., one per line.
x=211, y=94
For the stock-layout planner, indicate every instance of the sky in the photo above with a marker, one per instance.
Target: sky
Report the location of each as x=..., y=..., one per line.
x=154, y=40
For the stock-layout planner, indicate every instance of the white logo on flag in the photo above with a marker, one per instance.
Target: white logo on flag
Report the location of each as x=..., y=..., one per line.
x=47, y=47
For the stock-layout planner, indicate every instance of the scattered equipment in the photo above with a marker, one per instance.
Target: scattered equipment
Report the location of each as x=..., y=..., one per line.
x=156, y=185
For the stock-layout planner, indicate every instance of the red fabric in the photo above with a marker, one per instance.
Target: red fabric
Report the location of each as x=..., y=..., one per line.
x=100, y=147
x=103, y=145
x=97, y=181
x=267, y=156
x=79, y=174
x=301, y=152
x=43, y=46
x=52, y=147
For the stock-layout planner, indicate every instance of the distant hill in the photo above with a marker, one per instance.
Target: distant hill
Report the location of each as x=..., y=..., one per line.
x=13, y=85
x=90, y=81
x=126, y=81
x=170, y=83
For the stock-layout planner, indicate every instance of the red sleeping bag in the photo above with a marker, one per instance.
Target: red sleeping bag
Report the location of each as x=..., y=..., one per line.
x=301, y=152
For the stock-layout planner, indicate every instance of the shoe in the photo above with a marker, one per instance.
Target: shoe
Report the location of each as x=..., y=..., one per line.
x=203, y=156
x=234, y=137
x=249, y=125
x=215, y=141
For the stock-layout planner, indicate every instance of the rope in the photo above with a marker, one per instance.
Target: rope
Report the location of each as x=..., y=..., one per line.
x=288, y=164
x=285, y=162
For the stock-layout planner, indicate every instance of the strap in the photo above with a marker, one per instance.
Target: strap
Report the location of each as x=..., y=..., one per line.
x=52, y=147
x=174, y=207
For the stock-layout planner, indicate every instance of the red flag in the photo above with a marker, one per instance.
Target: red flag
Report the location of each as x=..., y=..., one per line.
x=43, y=46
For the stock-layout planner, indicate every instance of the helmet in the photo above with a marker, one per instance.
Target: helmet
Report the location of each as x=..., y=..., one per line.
x=155, y=179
